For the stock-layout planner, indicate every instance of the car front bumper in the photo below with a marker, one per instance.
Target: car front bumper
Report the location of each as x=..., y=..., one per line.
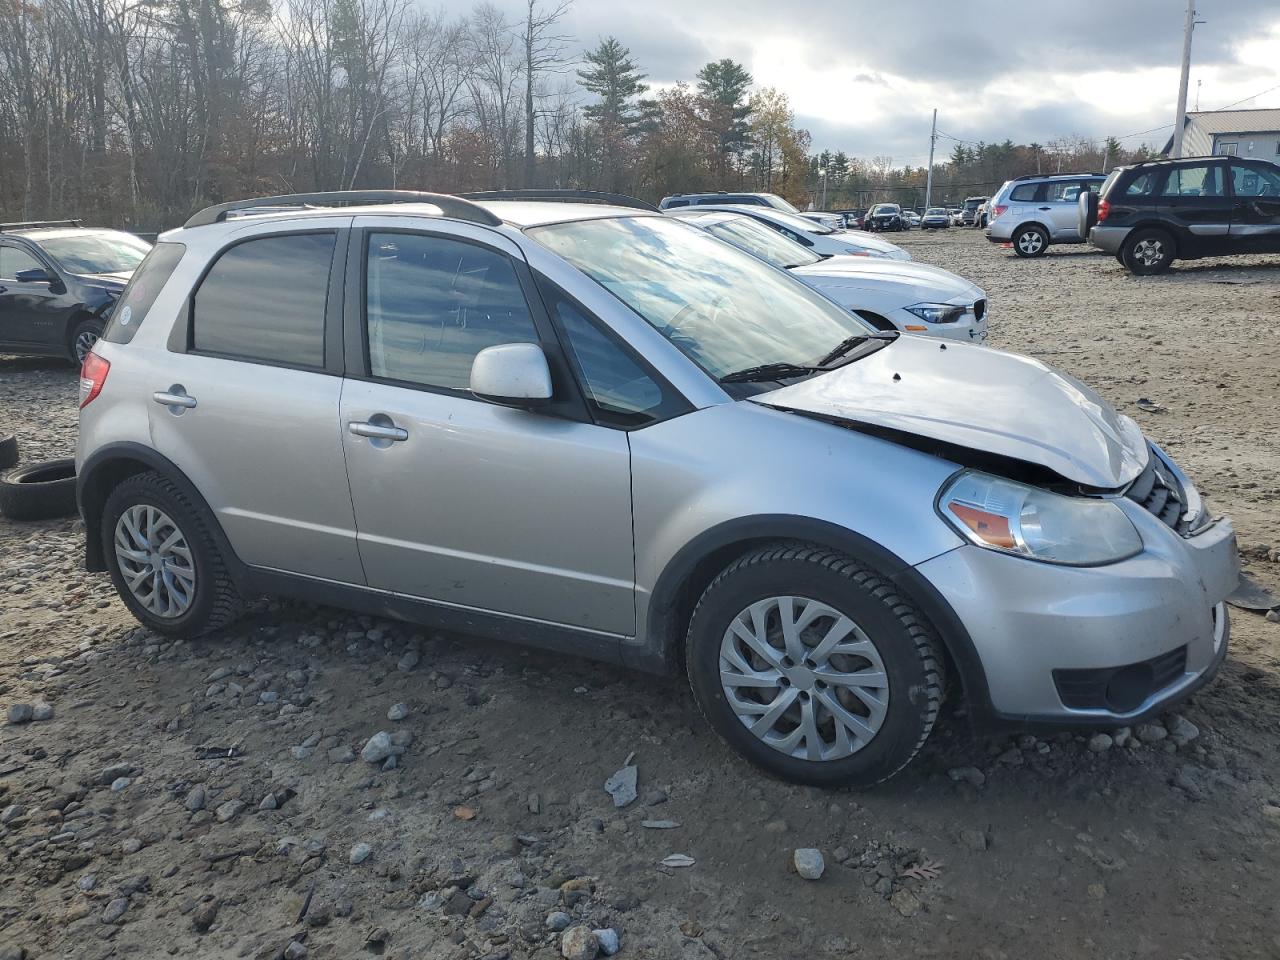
x=1107, y=238
x=1103, y=646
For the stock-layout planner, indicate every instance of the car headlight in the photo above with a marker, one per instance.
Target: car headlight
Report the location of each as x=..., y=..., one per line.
x=938, y=312
x=1026, y=521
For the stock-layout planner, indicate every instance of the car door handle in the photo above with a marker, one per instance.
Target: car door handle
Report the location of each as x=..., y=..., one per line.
x=1046, y=208
x=378, y=431
x=4, y=289
x=166, y=399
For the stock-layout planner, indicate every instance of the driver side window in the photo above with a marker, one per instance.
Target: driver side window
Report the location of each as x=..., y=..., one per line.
x=13, y=261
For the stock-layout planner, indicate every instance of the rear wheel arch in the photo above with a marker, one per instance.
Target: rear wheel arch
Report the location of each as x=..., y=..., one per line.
x=110, y=466
x=695, y=566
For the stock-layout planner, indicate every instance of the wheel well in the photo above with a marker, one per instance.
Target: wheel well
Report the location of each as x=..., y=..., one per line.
x=77, y=318
x=1032, y=223
x=1152, y=225
x=876, y=320
x=691, y=571
x=94, y=490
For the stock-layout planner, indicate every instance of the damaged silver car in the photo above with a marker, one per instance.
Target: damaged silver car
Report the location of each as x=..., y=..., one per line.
x=593, y=428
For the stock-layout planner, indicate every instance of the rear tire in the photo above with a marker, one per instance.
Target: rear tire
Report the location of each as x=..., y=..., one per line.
x=848, y=711
x=1030, y=241
x=1147, y=252
x=164, y=561
x=8, y=451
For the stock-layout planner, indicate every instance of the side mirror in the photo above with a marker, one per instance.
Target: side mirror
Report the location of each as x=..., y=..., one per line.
x=35, y=275
x=512, y=374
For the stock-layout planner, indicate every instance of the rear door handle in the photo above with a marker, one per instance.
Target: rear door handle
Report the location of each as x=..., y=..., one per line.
x=378, y=431
x=1046, y=208
x=174, y=398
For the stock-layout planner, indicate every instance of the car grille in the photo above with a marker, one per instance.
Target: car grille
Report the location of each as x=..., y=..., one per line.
x=1158, y=492
x=1120, y=689
x=979, y=309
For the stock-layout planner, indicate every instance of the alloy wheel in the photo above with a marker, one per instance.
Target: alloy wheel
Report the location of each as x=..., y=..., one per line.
x=84, y=343
x=155, y=561
x=1148, y=252
x=803, y=678
x=1030, y=242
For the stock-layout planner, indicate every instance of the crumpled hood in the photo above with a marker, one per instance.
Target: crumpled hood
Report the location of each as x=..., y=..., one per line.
x=983, y=399
x=915, y=282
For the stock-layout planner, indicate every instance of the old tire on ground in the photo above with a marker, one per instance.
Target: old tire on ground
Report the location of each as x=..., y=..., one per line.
x=1147, y=252
x=164, y=561
x=39, y=491
x=1030, y=240
x=8, y=451
x=83, y=337
x=814, y=666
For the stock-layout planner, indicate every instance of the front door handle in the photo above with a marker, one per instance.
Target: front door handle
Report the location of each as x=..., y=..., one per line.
x=175, y=398
x=378, y=431
x=1046, y=208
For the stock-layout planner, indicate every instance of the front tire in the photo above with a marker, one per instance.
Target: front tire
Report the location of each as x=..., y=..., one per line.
x=1147, y=252
x=814, y=666
x=164, y=561
x=1030, y=241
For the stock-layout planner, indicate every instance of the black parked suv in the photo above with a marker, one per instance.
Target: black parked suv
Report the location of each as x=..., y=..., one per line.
x=58, y=283
x=1149, y=214
x=885, y=216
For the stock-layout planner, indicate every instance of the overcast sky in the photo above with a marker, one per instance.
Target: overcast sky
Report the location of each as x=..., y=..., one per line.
x=864, y=75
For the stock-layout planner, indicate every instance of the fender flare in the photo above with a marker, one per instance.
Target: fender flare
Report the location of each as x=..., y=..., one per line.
x=93, y=487
x=696, y=563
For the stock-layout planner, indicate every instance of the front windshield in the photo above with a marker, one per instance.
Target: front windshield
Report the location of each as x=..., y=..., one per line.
x=724, y=309
x=778, y=203
x=935, y=212
x=756, y=238
x=105, y=251
x=797, y=222
x=886, y=208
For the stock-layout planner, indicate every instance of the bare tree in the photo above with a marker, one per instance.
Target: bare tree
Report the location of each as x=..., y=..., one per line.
x=544, y=50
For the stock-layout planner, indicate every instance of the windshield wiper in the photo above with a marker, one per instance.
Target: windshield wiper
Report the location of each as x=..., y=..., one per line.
x=769, y=371
x=847, y=344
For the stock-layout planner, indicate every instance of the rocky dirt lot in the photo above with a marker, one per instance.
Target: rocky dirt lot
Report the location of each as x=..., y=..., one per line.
x=233, y=797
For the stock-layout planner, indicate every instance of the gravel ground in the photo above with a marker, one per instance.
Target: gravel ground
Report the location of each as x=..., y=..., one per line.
x=211, y=799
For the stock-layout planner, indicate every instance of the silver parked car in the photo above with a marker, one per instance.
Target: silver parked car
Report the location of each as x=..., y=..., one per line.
x=1032, y=212
x=601, y=430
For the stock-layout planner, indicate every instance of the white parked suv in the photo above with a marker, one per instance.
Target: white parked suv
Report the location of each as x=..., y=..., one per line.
x=598, y=429
x=889, y=294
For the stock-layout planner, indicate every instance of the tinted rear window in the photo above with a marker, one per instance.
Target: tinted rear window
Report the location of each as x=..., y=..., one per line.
x=1142, y=184
x=1024, y=192
x=265, y=299
x=144, y=286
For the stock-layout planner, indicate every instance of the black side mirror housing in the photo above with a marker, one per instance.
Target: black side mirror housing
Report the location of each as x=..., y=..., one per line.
x=35, y=275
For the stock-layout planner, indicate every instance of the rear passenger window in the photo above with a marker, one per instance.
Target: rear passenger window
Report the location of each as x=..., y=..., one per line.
x=144, y=286
x=1024, y=193
x=432, y=304
x=1198, y=181
x=1142, y=184
x=265, y=300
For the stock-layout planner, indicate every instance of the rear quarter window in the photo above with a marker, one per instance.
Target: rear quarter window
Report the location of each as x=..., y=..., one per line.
x=1142, y=185
x=1024, y=193
x=144, y=286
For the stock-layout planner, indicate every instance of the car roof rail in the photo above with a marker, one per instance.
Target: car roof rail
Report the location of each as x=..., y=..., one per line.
x=563, y=196
x=33, y=224
x=451, y=206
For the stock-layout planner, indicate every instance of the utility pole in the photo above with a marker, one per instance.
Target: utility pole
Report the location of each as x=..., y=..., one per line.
x=1181, y=120
x=933, y=141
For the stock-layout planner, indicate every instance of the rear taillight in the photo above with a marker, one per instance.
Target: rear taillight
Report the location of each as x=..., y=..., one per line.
x=93, y=374
x=1104, y=208
x=997, y=210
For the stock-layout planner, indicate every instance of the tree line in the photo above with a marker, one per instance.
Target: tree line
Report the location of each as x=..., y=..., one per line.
x=136, y=112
